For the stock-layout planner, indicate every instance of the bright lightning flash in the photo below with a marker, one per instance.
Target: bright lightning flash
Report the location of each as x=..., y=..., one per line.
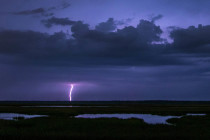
x=71, y=89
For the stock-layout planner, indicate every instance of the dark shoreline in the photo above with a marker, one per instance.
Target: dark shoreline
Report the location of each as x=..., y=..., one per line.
x=146, y=102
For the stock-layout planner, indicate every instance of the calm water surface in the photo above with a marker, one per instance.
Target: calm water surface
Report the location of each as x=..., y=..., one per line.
x=14, y=116
x=148, y=118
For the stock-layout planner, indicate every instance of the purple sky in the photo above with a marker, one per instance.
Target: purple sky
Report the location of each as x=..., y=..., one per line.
x=110, y=49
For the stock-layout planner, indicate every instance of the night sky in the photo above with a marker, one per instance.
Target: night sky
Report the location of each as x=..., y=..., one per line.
x=109, y=50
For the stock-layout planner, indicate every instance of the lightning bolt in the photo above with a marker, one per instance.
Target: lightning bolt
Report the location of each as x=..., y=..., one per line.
x=70, y=92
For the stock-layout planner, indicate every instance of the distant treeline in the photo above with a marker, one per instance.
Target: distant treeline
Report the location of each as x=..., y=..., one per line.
x=105, y=103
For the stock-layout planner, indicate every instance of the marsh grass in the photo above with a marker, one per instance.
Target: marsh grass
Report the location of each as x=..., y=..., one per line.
x=18, y=118
x=62, y=125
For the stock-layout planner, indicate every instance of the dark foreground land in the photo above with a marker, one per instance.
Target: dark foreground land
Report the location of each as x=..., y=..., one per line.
x=61, y=123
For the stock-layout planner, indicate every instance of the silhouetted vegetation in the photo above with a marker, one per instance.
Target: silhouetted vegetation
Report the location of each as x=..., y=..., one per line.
x=62, y=125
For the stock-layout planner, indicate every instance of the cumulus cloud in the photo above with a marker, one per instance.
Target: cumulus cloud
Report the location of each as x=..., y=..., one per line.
x=127, y=46
x=124, y=21
x=107, y=26
x=193, y=39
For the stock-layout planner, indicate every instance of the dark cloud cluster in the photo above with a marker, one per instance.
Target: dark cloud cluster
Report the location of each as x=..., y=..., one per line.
x=107, y=26
x=57, y=21
x=130, y=45
x=155, y=18
x=127, y=46
x=29, y=12
x=38, y=11
x=123, y=22
x=193, y=39
x=46, y=12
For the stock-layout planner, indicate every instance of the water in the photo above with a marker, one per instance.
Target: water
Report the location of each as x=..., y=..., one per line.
x=191, y=114
x=15, y=116
x=148, y=118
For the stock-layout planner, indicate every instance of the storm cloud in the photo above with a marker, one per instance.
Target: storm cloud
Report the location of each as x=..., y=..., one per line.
x=127, y=46
x=107, y=26
x=155, y=18
x=38, y=11
x=29, y=12
x=46, y=12
x=57, y=21
x=131, y=46
x=123, y=62
x=192, y=39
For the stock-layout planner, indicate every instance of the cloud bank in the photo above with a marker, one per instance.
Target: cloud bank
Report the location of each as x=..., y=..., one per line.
x=103, y=46
x=119, y=61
